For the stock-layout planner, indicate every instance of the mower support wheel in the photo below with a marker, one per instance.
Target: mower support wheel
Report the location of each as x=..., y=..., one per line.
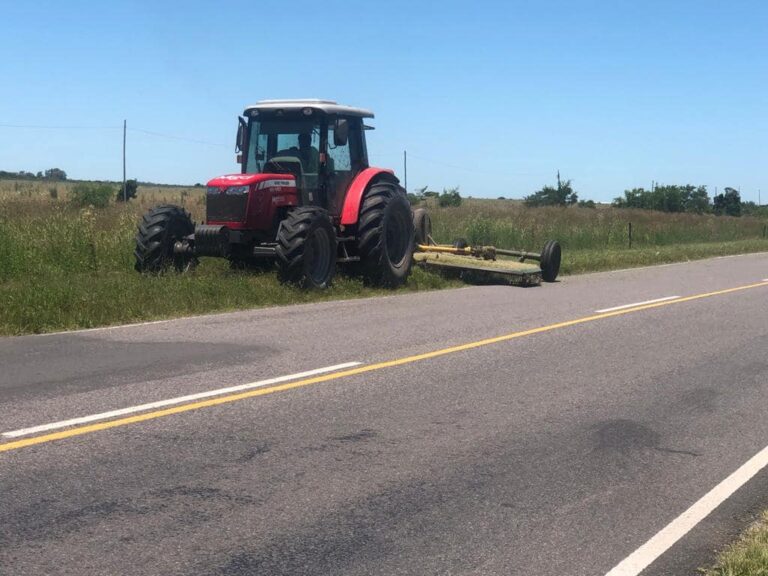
x=306, y=248
x=550, y=261
x=159, y=230
x=385, y=235
x=422, y=225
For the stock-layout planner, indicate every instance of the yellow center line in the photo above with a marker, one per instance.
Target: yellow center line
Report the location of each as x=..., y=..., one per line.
x=81, y=430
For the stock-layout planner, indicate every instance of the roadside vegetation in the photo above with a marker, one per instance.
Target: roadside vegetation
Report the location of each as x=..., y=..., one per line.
x=748, y=556
x=66, y=251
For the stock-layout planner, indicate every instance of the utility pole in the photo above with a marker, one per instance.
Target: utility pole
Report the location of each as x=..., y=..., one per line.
x=405, y=169
x=125, y=192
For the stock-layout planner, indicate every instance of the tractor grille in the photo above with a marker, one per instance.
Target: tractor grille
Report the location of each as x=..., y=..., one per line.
x=223, y=207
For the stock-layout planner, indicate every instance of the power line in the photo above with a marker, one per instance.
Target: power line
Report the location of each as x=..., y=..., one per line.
x=138, y=130
x=468, y=169
x=41, y=127
x=174, y=137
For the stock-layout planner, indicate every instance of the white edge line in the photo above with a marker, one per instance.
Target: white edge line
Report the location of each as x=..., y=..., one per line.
x=641, y=558
x=172, y=401
x=623, y=306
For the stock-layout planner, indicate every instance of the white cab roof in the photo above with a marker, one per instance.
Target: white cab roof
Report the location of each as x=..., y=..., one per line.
x=327, y=106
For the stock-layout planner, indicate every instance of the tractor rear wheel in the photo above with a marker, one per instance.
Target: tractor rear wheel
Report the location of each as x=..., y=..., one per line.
x=385, y=235
x=550, y=261
x=306, y=248
x=159, y=230
x=422, y=225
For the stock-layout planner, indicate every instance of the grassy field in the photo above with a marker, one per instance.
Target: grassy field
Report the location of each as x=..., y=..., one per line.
x=65, y=267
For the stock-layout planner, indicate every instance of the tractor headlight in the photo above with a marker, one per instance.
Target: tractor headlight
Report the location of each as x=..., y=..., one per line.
x=213, y=190
x=237, y=190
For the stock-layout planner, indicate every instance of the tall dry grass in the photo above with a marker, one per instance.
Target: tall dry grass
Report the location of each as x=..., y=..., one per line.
x=510, y=224
x=67, y=267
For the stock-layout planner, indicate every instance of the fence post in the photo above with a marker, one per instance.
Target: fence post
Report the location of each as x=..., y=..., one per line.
x=630, y=234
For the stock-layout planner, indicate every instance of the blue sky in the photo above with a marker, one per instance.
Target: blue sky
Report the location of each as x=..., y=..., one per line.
x=494, y=97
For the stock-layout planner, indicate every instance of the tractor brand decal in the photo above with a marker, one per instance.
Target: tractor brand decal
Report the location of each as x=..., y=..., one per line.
x=276, y=184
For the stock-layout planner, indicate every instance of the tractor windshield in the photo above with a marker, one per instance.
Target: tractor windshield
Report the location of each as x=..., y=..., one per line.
x=278, y=144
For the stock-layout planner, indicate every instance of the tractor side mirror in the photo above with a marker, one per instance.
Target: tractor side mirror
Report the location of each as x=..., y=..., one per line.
x=341, y=132
x=240, y=141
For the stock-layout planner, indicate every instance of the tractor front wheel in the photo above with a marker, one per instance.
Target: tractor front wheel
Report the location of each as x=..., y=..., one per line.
x=159, y=230
x=385, y=235
x=306, y=248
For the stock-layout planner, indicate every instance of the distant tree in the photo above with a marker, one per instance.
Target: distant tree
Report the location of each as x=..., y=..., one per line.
x=563, y=195
x=666, y=198
x=417, y=196
x=131, y=187
x=450, y=197
x=501, y=198
x=728, y=203
x=55, y=174
x=698, y=200
x=587, y=204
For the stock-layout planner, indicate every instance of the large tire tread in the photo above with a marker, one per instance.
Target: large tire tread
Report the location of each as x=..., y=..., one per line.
x=291, y=246
x=158, y=230
x=379, y=202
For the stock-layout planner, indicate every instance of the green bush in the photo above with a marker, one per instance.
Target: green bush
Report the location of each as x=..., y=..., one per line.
x=450, y=197
x=563, y=195
x=91, y=194
x=131, y=187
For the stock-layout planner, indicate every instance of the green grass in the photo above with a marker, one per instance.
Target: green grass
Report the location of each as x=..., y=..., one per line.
x=63, y=267
x=581, y=261
x=84, y=300
x=748, y=556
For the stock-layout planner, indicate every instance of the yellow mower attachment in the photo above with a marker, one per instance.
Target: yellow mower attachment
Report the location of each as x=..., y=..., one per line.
x=483, y=262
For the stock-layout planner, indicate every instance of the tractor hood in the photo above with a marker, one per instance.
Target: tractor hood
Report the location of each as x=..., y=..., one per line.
x=285, y=180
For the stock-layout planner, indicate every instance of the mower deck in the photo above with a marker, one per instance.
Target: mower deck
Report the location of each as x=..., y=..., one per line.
x=512, y=271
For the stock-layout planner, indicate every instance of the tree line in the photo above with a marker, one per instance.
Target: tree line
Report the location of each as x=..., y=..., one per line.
x=662, y=198
x=54, y=174
x=448, y=197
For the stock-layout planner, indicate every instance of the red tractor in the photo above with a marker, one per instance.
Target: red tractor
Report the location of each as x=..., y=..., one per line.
x=306, y=198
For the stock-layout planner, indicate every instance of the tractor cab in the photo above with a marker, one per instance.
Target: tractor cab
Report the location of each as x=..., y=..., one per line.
x=320, y=143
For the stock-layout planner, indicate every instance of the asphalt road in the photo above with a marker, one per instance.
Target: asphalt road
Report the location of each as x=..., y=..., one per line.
x=558, y=451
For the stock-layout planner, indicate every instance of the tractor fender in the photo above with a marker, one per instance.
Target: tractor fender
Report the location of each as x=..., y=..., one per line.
x=351, y=209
